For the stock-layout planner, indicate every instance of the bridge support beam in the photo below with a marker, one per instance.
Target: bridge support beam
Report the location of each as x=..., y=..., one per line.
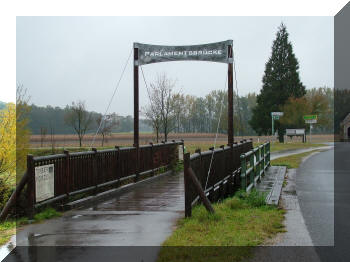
x=136, y=110
x=230, y=98
x=136, y=98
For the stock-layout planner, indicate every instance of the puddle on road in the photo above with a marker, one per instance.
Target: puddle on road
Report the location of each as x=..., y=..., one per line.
x=292, y=192
x=76, y=216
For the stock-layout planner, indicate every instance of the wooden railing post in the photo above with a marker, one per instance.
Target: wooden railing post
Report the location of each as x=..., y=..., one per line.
x=152, y=160
x=67, y=170
x=262, y=155
x=268, y=153
x=30, y=191
x=117, y=175
x=198, y=151
x=243, y=172
x=188, y=202
x=95, y=170
x=258, y=163
x=183, y=147
x=252, y=173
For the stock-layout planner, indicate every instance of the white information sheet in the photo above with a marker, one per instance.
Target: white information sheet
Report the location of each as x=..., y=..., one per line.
x=44, y=182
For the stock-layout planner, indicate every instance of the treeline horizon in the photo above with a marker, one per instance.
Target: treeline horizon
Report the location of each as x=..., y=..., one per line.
x=49, y=117
x=195, y=115
x=192, y=114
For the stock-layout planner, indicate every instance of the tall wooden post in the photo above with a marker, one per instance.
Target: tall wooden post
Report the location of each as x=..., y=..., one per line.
x=136, y=110
x=230, y=97
x=136, y=98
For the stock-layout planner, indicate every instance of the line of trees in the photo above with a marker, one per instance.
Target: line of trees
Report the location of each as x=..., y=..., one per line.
x=170, y=111
x=53, y=118
x=283, y=90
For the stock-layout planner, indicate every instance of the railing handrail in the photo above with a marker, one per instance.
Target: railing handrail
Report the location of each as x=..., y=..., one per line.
x=109, y=150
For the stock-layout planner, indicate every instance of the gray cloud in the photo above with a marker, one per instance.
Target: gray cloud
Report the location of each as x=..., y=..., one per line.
x=63, y=59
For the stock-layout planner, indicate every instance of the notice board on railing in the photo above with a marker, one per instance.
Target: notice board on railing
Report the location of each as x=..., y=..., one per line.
x=44, y=182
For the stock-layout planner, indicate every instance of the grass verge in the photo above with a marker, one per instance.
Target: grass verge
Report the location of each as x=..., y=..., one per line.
x=290, y=146
x=292, y=161
x=241, y=222
x=8, y=228
x=275, y=146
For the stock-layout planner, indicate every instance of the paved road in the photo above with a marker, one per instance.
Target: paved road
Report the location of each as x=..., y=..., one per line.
x=315, y=190
x=341, y=251
x=289, y=152
x=144, y=216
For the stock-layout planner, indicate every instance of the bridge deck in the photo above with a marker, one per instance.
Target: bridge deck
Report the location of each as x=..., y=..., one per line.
x=142, y=217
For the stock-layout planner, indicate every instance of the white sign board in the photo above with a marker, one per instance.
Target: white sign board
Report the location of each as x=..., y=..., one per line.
x=290, y=132
x=299, y=131
x=181, y=152
x=277, y=113
x=44, y=182
x=311, y=121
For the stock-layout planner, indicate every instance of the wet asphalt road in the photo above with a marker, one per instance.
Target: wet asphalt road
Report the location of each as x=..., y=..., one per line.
x=315, y=190
x=144, y=216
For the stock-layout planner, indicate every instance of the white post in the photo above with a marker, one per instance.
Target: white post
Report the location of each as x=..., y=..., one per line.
x=310, y=132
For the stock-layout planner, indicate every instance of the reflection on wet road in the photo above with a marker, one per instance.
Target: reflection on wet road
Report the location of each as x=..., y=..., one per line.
x=144, y=216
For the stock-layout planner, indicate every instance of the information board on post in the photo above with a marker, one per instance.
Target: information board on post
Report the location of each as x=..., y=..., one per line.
x=310, y=119
x=44, y=182
x=275, y=116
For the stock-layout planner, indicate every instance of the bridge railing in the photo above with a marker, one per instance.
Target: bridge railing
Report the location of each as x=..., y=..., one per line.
x=80, y=172
x=253, y=165
x=223, y=178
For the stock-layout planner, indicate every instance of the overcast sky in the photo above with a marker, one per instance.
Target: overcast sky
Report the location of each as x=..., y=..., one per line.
x=65, y=59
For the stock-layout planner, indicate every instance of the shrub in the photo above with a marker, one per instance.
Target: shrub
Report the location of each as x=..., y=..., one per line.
x=253, y=199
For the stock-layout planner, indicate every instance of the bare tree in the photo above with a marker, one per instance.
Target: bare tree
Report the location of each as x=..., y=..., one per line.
x=108, y=123
x=153, y=116
x=78, y=118
x=43, y=132
x=161, y=109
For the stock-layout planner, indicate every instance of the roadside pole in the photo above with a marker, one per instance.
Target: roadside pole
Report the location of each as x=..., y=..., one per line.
x=275, y=116
x=310, y=119
x=310, y=131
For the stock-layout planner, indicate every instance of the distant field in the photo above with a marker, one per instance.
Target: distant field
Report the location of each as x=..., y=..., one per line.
x=125, y=139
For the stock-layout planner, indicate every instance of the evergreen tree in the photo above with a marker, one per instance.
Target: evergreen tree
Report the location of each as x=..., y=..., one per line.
x=281, y=81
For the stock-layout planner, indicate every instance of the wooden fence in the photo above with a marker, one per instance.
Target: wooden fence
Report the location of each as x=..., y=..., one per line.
x=254, y=163
x=81, y=172
x=224, y=176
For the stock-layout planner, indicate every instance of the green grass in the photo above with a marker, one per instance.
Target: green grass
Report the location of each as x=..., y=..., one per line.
x=46, y=214
x=242, y=221
x=8, y=228
x=289, y=146
x=275, y=146
x=292, y=161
